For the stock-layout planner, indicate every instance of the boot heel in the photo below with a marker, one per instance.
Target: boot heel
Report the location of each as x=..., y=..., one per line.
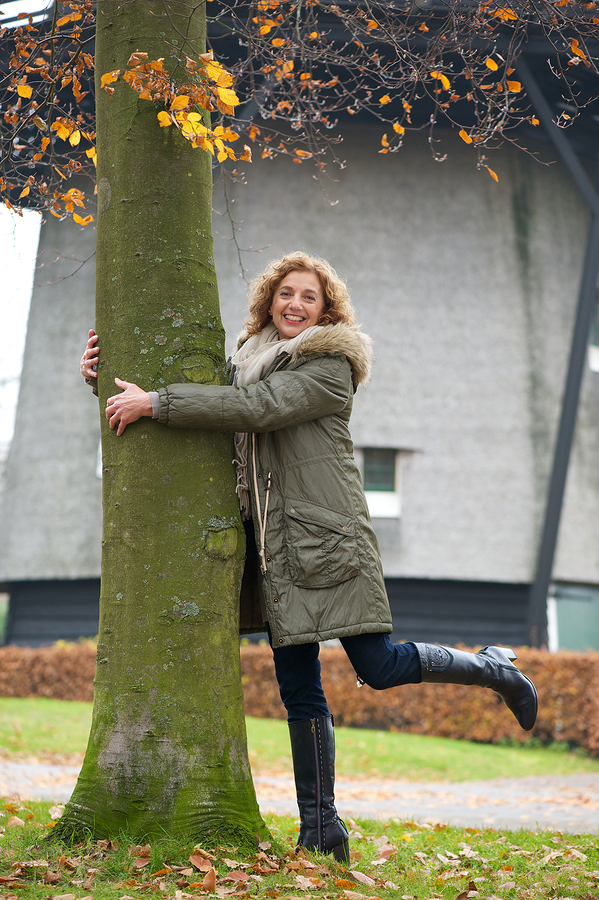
x=341, y=852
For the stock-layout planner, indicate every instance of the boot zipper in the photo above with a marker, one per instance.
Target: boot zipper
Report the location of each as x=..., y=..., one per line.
x=321, y=846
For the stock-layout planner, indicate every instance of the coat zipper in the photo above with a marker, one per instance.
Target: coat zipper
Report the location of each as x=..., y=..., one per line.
x=261, y=517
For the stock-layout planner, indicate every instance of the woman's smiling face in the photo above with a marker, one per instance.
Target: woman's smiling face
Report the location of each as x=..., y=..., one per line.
x=297, y=304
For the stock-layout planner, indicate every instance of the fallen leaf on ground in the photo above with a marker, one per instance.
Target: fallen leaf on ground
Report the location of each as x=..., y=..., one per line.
x=360, y=876
x=15, y=821
x=209, y=882
x=237, y=876
x=51, y=877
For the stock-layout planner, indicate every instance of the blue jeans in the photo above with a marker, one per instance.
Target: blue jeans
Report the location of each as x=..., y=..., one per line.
x=377, y=661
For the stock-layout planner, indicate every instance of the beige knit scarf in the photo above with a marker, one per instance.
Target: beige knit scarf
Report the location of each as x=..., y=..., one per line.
x=251, y=362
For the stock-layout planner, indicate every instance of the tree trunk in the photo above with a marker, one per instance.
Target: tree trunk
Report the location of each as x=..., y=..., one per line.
x=167, y=750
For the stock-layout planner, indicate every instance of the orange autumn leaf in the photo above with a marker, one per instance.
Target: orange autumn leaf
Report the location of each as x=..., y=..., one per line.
x=24, y=192
x=491, y=64
x=465, y=136
x=492, y=173
x=305, y=154
x=109, y=77
x=385, y=99
x=514, y=86
x=398, y=128
x=73, y=17
x=576, y=49
x=442, y=78
x=23, y=90
x=277, y=42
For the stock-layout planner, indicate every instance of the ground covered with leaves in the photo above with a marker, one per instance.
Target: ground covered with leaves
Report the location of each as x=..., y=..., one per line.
x=396, y=859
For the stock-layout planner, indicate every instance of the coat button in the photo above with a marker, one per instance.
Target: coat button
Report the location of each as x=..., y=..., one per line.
x=269, y=559
x=345, y=527
x=281, y=641
x=275, y=599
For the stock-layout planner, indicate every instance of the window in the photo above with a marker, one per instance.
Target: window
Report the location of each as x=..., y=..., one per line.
x=380, y=474
x=379, y=469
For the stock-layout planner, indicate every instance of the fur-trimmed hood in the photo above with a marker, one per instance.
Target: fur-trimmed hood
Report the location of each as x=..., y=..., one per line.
x=348, y=340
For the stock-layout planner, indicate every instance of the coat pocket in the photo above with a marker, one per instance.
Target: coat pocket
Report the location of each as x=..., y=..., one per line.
x=321, y=545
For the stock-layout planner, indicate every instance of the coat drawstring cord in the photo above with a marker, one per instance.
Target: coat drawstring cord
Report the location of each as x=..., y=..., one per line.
x=261, y=518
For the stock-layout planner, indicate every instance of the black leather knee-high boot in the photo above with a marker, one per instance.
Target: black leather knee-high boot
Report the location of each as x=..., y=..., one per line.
x=313, y=750
x=491, y=667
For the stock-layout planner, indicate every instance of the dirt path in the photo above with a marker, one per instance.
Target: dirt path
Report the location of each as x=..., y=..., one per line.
x=568, y=803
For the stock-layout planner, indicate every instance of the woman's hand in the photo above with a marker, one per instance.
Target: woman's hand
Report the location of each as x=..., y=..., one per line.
x=90, y=357
x=127, y=407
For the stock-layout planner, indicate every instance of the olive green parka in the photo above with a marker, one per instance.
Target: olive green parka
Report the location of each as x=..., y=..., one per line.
x=323, y=575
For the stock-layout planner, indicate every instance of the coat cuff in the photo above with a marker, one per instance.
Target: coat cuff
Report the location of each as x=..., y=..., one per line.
x=155, y=400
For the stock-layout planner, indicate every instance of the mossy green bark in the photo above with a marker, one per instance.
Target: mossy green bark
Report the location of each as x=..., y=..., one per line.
x=167, y=750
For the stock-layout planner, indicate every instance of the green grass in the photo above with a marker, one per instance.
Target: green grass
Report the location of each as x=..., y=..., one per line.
x=44, y=728
x=414, y=862
x=56, y=729
x=381, y=754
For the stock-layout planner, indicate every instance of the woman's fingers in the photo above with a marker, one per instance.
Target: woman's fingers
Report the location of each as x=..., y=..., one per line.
x=128, y=407
x=90, y=356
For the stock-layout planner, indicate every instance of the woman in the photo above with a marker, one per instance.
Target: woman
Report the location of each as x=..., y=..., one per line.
x=294, y=375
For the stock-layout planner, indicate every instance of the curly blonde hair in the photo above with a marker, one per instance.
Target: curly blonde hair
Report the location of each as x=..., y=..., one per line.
x=337, y=303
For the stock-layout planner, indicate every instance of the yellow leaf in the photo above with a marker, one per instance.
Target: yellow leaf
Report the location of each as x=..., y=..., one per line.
x=164, y=119
x=62, y=130
x=227, y=96
x=313, y=35
x=385, y=99
x=77, y=218
x=534, y=120
x=277, y=42
x=23, y=90
x=24, y=192
x=305, y=76
x=491, y=64
x=109, y=77
x=442, y=78
x=75, y=138
x=191, y=127
x=216, y=72
x=264, y=29
x=514, y=86
x=398, y=128
x=180, y=102
x=465, y=136
x=492, y=173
